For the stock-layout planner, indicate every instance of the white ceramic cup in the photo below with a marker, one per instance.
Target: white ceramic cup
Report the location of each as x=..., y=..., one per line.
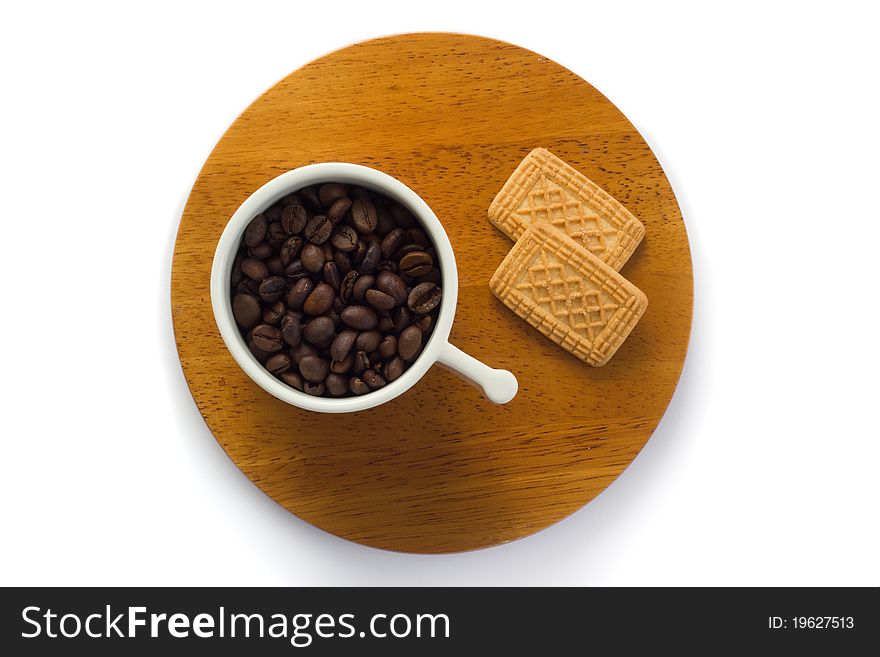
x=498, y=386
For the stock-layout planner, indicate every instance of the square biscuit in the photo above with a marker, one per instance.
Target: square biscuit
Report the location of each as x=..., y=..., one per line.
x=568, y=294
x=546, y=188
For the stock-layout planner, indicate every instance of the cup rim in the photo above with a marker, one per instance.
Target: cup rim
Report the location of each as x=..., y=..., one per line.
x=276, y=189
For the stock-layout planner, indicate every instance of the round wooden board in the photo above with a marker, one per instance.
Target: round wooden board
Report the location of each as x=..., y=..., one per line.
x=440, y=469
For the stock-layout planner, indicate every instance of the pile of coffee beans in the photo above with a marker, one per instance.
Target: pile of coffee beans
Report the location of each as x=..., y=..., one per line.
x=336, y=289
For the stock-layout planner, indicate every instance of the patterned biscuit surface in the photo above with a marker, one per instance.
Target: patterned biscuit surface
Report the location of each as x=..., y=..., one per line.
x=568, y=294
x=545, y=188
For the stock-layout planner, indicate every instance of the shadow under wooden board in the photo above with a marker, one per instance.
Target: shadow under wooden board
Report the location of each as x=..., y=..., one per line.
x=440, y=469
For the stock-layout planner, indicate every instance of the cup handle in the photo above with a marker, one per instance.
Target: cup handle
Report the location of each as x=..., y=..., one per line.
x=499, y=386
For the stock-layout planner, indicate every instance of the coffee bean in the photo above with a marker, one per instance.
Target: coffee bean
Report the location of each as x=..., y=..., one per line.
x=294, y=218
x=246, y=310
x=331, y=192
x=343, y=344
x=343, y=262
x=293, y=379
x=267, y=338
x=363, y=216
x=301, y=351
x=432, y=276
x=368, y=341
x=338, y=209
x=310, y=196
x=314, y=389
x=318, y=229
x=314, y=369
x=392, y=241
x=320, y=300
x=360, y=317
x=372, y=256
x=418, y=236
x=337, y=385
x=312, y=257
x=424, y=298
x=384, y=222
x=379, y=300
x=298, y=294
x=402, y=318
x=392, y=285
x=273, y=288
x=387, y=265
x=361, y=362
x=275, y=266
x=345, y=238
x=273, y=314
x=320, y=331
x=295, y=270
x=417, y=263
x=360, y=287
x=409, y=342
x=344, y=365
x=394, y=368
x=278, y=363
x=275, y=234
x=248, y=286
x=261, y=355
x=328, y=251
x=425, y=323
x=357, y=386
x=254, y=269
x=388, y=347
x=291, y=329
x=346, y=288
x=291, y=199
x=402, y=216
x=357, y=256
x=256, y=230
x=290, y=250
x=261, y=251
x=331, y=275
x=273, y=213
x=386, y=322
x=372, y=379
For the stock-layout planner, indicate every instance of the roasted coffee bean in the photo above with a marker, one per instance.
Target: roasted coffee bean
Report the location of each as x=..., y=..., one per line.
x=337, y=385
x=294, y=218
x=425, y=323
x=301, y=351
x=331, y=192
x=261, y=355
x=298, y=294
x=388, y=347
x=372, y=256
x=368, y=341
x=246, y=310
x=291, y=329
x=372, y=379
x=361, y=285
x=293, y=379
x=379, y=300
x=331, y=275
x=295, y=270
x=320, y=300
x=384, y=222
x=290, y=250
x=274, y=212
x=273, y=314
x=254, y=269
x=343, y=344
x=310, y=196
x=402, y=216
x=346, y=288
x=248, y=286
x=394, y=368
x=407, y=249
x=312, y=257
x=314, y=368
x=267, y=338
x=332, y=314
x=275, y=266
x=343, y=262
x=318, y=229
x=363, y=216
x=409, y=343
x=314, y=389
x=361, y=362
x=328, y=251
x=387, y=265
x=261, y=251
x=275, y=234
x=344, y=365
x=359, y=193
x=424, y=298
x=402, y=318
x=392, y=285
x=338, y=209
x=418, y=236
x=291, y=199
x=256, y=230
x=236, y=275
x=386, y=322
x=357, y=256
x=278, y=363
x=273, y=288
x=320, y=331
x=357, y=386
x=345, y=238
x=359, y=317
x=417, y=263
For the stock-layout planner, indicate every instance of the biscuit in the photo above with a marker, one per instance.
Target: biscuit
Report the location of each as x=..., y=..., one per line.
x=544, y=187
x=568, y=294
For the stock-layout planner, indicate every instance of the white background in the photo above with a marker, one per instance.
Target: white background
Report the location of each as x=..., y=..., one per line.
x=764, y=469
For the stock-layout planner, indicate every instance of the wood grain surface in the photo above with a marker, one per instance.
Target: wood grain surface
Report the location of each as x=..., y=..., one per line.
x=440, y=469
